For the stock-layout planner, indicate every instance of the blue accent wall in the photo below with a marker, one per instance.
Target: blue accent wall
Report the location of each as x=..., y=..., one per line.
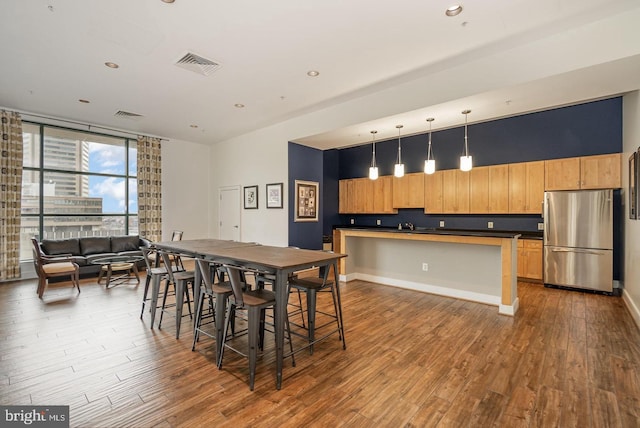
x=306, y=164
x=582, y=130
x=331, y=168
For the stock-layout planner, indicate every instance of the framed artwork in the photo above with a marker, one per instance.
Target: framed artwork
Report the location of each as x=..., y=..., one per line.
x=306, y=201
x=274, y=195
x=251, y=197
x=633, y=180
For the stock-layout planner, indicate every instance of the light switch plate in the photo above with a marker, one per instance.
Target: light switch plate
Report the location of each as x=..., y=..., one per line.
x=540, y=226
x=377, y=222
x=489, y=225
x=353, y=221
x=441, y=223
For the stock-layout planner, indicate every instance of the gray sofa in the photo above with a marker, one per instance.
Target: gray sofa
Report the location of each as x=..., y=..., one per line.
x=84, y=250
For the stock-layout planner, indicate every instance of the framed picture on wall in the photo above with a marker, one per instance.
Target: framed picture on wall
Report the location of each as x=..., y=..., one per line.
x=633, y=182
x=251, y=197
x=306, y=201
x=274, y=195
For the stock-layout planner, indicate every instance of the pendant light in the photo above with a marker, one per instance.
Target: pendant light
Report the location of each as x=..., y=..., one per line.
x=398, y=170
x=466, y=163
x=373, y=169
x=430, y=163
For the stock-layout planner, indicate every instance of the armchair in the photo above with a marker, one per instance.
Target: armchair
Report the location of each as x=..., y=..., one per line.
x=50, y=266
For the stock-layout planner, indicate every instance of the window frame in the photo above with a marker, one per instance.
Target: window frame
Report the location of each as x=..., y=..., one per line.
x=41, y=171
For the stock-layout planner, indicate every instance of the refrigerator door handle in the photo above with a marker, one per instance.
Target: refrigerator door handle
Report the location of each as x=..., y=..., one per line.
x=573, y=250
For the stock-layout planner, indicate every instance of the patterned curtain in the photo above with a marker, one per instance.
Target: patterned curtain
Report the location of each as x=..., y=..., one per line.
x=10, y=194
x=149, y=188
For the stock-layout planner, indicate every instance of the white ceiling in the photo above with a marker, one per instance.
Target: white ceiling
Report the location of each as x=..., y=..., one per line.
x=380, y=63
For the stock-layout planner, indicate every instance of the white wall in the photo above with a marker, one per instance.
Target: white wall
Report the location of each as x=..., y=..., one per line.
x=257, y=158
x=631, y=141
x=185, y=189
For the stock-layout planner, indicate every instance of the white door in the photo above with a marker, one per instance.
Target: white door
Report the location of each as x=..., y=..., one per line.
x=229, y=213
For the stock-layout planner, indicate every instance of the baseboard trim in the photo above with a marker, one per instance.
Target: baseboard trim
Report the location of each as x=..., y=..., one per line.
x=435, y=289
x=632, y=307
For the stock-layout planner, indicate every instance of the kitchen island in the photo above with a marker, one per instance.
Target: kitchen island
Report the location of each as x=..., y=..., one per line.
x=470, y=265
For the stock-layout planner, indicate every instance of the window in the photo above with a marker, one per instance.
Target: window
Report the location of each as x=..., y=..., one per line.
x=76, y=184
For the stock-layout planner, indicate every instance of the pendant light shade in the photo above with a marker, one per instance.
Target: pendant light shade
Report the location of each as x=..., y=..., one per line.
x=373, y=169
x=466, y=162
x=430, y=163
x=398, y=169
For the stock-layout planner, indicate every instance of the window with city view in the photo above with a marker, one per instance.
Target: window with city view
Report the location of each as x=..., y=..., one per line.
x=76, y=184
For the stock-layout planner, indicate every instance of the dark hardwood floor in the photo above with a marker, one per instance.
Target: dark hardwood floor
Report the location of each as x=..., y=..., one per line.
x=568, y=359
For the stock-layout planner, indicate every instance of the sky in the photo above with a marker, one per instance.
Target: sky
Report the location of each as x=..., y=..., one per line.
x=110, y=159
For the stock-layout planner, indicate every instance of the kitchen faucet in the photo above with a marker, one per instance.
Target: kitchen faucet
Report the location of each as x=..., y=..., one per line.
x=410, y=226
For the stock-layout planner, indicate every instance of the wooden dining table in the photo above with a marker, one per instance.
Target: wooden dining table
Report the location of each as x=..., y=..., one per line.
x=278, y=261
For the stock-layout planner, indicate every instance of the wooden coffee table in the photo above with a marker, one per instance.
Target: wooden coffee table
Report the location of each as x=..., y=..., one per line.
x=125, y=266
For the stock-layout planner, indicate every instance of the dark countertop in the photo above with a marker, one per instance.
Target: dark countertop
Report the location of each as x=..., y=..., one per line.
x=443, y=231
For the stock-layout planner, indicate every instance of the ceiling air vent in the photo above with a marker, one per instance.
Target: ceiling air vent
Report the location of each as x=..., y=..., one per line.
x=198, y=64
x=128, y=115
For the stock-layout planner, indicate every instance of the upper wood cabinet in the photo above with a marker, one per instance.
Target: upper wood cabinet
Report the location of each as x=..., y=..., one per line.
x=489, y=190
x=365, y=196
x=586, y=172
x=408, y=191
x=526, y=187
x=433, y=193
x=455, y=191
x=383, y=195
x=562, y=174
x=346, y=196
x=601, y=171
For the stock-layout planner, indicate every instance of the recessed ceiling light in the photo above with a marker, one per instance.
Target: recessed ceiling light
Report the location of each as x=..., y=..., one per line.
x=238, y=105
x=84, y=101
x=111, y=64
x=192, y=126
x=453, y=10
x=313, y=73
x=168, y=1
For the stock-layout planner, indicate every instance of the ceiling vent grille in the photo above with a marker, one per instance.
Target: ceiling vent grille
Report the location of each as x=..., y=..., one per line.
x=128, y=115
x=198, y=64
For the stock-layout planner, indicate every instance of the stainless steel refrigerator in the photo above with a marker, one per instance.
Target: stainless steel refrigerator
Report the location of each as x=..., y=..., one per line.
x=578, y=239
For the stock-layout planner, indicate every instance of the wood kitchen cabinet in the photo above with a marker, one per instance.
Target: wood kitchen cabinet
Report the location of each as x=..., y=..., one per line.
x=383, y=195
x=601, y=171
x=346, y=197
x=433, y=193
x=562, y=174
x=530, y=259
x=586, y=172
x=408, y=191
x=365, y=196
x=455, y=191
x=489, y=190
x=526, y=187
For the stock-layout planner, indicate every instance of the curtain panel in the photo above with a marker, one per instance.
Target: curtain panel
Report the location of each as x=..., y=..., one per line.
x=149, y=188
x=10, y=194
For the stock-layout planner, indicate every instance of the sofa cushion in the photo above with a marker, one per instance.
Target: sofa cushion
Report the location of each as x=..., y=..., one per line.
x=95, y=245
x=62, y=246
x=121, y=244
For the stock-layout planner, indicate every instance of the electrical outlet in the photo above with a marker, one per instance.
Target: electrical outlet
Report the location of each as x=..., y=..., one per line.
x=425, y=267
x=377, y=222
x=353, y=221
x=540, y=226
x=441, y=223
x=489, y=225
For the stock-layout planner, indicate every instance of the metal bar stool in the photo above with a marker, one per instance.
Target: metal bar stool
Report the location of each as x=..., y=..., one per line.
x=254, y=302
x=180, y=280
